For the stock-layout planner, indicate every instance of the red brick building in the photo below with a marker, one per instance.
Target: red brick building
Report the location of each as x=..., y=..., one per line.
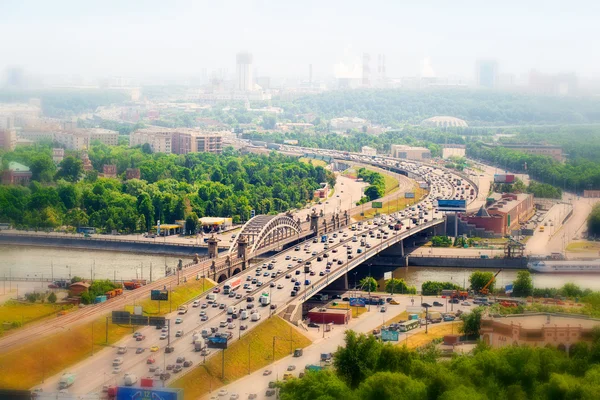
x=133, y=173
x=16, y=174
x=504, y=215
x=109, y=171
x=78, y=288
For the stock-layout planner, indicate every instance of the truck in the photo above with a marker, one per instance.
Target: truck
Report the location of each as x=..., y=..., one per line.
x=264, y=299
x=326, y=357
x=211, y=297
x=232, y=285
x=324, y=239
x=130, y=379
x=199, y=345
x=66, y=380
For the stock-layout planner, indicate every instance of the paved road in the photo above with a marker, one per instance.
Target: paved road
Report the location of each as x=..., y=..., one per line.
x=98, y=370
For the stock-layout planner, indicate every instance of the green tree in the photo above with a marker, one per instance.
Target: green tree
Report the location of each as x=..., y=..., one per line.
x=472, y=322
x=571, y=290
x=71, y=169
x=269, y=122
x=392, y=386
x=191, y=224
x=315, y=385
x=374, y=192
x=441, y=241
x=523, y=285
x=358, y=359
x=398, y=286
x=479, y=279
x=368, y=283
x=52, y=298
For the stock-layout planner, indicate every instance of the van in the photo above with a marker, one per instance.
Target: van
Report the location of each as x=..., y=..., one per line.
x=255, y=316
x=244, y=315
x=232, y=310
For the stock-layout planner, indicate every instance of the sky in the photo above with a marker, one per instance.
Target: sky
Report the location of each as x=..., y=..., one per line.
x=180, y=38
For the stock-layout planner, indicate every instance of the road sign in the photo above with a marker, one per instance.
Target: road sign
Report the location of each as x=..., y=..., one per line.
x=377, y=204
x=409, y=195
x=500, y=178
x=137, y=310
x=387, y=336
x=387, y=275
x=357, y=302
x=452, y=205
x=217, y=342
x=136, y=393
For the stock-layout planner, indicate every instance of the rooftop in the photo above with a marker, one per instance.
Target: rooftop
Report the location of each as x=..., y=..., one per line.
x=532, y=321
x=507, y=203
x=16, y=167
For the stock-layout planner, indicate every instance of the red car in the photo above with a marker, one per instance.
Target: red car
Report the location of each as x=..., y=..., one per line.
x=139, y=338
x=150, y=360
x=216, y=290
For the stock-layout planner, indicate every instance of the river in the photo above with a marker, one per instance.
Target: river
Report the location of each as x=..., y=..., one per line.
x=32, y=262
x=37, y=262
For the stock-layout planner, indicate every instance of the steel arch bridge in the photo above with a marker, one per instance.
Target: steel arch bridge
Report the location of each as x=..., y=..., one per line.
x=263, y=230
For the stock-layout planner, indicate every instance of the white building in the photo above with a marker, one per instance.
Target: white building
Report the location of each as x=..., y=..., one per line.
x=243, y=73
x=81, y=139
x=348, y=123
x=368, y=151
x=159, y=139
x=410, y=153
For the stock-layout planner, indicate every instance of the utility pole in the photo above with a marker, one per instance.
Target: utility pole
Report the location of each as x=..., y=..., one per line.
x=223, y=365
x=150, y=272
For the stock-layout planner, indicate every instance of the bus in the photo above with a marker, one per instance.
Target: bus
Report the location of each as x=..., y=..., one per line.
x=232, y=285
x=408, y=325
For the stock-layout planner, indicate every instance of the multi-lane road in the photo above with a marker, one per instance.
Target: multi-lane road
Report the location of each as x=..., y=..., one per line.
x=286, y=272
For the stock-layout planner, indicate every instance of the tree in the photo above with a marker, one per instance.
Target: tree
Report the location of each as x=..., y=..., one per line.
x=368, y=283
x=472, y=322
x=191, y=224
x=374, y=192
x=391, y=385
x=571, y=290
x=523, y=285
x=71, y=169
x=52, y=298
x=441, y=241
x=269, y=122
x=430, y=288
x=358, y=359
x=398, y=286
x=315, y=385
x=479, y=279
x=76, y=279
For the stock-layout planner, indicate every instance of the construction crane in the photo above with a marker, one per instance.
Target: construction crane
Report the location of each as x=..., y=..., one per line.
x=485, y=290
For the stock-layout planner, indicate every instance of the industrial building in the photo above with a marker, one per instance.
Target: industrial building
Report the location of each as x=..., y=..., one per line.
x=368, y=151
x=410, y=153
x=336, y=316
x=538, y=330
x=177, y=141
x=499, y=218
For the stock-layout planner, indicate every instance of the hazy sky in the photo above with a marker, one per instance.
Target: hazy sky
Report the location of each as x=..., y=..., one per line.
x=170, y=37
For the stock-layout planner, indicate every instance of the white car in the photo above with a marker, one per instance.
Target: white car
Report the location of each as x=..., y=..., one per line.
x=163, y=336
x=196, y=303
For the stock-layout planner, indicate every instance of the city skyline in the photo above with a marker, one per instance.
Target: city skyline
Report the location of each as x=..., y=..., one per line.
x=68, y=38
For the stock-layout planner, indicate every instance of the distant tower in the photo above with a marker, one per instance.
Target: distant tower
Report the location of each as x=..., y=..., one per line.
x=381, y=68
x=487, y=73
x=310, y=74
x=244, y=82
x=366, y=70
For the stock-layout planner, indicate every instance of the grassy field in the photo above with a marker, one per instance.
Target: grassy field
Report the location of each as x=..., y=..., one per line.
x=391, y=183
x=314, y=162
x=434, y=332
x=253, y=352
x=26, y=366
x=389, y=207
x=583, y=246
x=179, y=295
x=23, y=313
x=356, y=311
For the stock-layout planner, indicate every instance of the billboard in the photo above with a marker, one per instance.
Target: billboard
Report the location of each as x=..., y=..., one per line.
x=136, y=393
x=387, y=275
x=452, y=205
x=357, y=302
x=126, y=318
x=387, y=336
x=216, y=342
x=504, y=178
x=409, y=195
x=423, y=185
x=159, y=295
x=377, y=204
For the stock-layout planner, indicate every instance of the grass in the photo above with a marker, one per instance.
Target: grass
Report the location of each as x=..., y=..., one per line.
x=314, y=162
x=391, y=184
x=22, y=313
x=391, y=206
x=253, y=352
x=26, y=366
x=583, y=246
x=179, y=295
x=434, y=332
x=356, y=311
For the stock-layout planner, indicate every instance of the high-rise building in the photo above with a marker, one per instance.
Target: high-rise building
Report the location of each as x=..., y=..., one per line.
x=487, y=73
x=243, y=72
x=8, y=139
x=178, y=141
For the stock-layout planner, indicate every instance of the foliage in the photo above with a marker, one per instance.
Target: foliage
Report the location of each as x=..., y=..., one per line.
x=399, y=286
x=172, y=188
x=441, y=241
x=472, y=321
x=544, y=190
x=593, y=222
x=382, y=371
x=191, y=224
x=98, y=288
x=431, y=288
x=368, y=283
x=52, y=298
x=376, y=189
x=479, y=279
x=523, y=285
x=76, y=279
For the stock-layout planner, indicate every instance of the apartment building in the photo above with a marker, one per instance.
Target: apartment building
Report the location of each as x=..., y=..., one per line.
x=81, y=139
x=8, y=139
x=178, y=141
x=410, y=153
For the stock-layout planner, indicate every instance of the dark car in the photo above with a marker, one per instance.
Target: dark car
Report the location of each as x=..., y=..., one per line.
x=188, y=363
x=313, y=325
x=437, y=304
x=426, y=305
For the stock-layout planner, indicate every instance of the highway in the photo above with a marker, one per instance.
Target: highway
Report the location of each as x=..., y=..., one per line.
x=286, y=273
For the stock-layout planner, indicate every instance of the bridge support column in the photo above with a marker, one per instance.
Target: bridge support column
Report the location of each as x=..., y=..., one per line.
x=346, y=218
x=243, y=251
x=213, y=247
x=314, y=222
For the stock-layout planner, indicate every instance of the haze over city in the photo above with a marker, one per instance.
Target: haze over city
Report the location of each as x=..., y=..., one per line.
x=142, y=39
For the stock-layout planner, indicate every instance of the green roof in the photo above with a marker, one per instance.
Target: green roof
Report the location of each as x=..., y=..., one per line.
x=16, y=167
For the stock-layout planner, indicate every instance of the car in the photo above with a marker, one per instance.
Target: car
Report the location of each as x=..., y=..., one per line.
x=437, y=304
x=205, y=352
x=273, y=306
x=140, y=350
x=222, y=392
x=179, y=333
x=204, y=318
x=178, y=321
x=231, y=326
x=238, y=296
x=288, y=257
x=169, y=349
x=204, y=305
x=272, y=284
x=232, y=295
x=196, y=303
x=234, y=396
x=154, y=349
x=259, y=283
x=426, y=305
x=270, y=392
x=215, y=305
x=163, y=336
x=170, y=367
x=280, y=286
x=267, y=372
x=297, y=272
x=252, y=396
x=116, y=370
x=313, y=325
x=465, y=303
x=177, y=368
x=291, y=367
x=139, y=338
x=136, y=334
x=165, y=329
x=287, y=376
x=153, y=368
x=243, y=327
x=216, y=290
